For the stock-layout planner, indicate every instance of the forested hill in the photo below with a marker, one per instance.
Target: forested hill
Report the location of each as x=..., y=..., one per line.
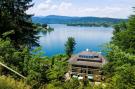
x=54, y=19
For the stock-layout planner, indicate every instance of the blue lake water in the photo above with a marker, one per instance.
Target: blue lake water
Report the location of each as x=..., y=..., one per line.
x=86, y=37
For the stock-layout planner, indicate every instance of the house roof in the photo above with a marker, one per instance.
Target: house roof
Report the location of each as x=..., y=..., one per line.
x=88, y=58
x=87, y=53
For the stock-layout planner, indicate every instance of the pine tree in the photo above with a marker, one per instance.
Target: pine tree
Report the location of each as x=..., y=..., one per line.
x=13, y=18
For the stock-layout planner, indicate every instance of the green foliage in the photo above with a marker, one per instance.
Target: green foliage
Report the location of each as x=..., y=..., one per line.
x=31, y=65
x=58, y=68
x=54, y=85
x=10, y=83
x=36, y=70
x=56, y=19
x=39, y=70
x=124, y=78
x=120, y=27
x=16, y=24
x=44, y=28
x=44, y=25
x=70, y=46
x=35, y=67
x=124, y=35
x=92, y=24
x=11, y=57
x=71, y=84
x=18, y=35
x=119, y=70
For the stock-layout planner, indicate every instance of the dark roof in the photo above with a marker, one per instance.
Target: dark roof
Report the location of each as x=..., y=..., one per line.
x=87, y=53
x=92, y=62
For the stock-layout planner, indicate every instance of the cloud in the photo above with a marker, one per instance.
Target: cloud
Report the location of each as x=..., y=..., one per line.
x=114, y=12
x=46, y=5
x=64, y=6
x=68, y=8
x=102, y=10
x=48, y=1
x=43, y=6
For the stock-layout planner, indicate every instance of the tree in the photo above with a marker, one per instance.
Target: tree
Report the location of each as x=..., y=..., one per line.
x=13, y=18
x=124, y=78
x=58, y=69
x=70, y=46
x=44, y=25
x=124, y=35
x=119, y=69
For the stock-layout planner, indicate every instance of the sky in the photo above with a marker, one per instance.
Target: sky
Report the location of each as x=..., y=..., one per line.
x=96, y=8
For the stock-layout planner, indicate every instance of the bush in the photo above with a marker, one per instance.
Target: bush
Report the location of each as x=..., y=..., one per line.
x=10, y=83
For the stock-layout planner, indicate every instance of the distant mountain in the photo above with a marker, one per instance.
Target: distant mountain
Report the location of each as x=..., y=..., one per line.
x=54, y=19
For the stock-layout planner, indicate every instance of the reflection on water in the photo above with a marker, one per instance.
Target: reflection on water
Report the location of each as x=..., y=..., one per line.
x=86, y=37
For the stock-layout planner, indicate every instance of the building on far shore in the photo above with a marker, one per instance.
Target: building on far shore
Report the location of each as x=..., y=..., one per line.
x=87, y=65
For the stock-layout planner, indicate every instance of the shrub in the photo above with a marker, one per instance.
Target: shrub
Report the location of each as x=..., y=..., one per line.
x=10, y=83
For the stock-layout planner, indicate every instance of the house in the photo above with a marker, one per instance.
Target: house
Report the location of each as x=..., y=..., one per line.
x=87, y=65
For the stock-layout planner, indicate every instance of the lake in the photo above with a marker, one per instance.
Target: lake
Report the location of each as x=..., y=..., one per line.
x=86, y=38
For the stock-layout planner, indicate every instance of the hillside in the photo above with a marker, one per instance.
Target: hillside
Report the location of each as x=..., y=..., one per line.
x=54, y=19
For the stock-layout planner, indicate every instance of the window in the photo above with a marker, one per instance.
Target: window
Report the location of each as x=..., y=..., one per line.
x=96, y=57
x=90, y=72
x=88, y=60
x=85, y=56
